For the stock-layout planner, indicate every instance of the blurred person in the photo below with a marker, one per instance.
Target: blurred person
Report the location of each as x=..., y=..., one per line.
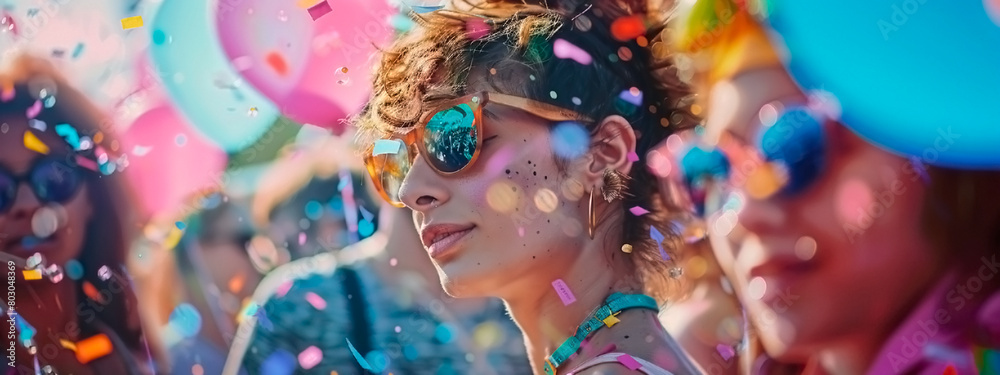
x=376, y=297
x=848, y=258
x=65, y=207
x=575, y=125
x=218, y=280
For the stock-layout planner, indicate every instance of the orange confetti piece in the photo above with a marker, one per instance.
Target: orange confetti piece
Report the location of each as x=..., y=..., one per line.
x=32, y=274
x=92, y=348
x=626, y=28
x=33, y=143
x=277, y=62
x=236, y=283
x=306, y=4
x=92, y=292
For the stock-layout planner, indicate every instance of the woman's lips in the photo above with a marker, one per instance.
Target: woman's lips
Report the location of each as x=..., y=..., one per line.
x=27, y=245
x=774, y=279
x=447, y=243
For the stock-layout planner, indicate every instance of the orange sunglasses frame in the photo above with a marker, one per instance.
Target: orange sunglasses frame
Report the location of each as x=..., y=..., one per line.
x=411, y=138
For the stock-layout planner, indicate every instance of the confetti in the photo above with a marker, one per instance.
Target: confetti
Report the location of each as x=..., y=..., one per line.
x=638, y=211
x=263, y=319
x=278, y=362
x=185, y=320
x=633, y=157
x=104, y=273
x=67, y=344
x=34, y=261
x=92, y=348
x=82, y=161
x=180, y=225
x=386, y=146
x=277, y=62
x=283, y=288
x=32, y=274
x=520, y=231
x=7, y=24
x=131, y=22
x=252, y=112
x=236, y=283
x=632, y=96
x=658, y=237
x=566, y=50
x=312, y=356
x=629, y=362
x=34, y=110
x=91, y=291
x=726, y=351
x=425, y=8
x=626, y=28
x=7, y=92
x=302, y=238
x=357, y=356
x=77, y=50
x=316, y=301
x=570, y=140
x=68, y=132
x=38, y=124
x=476, y=28
x=563, y=291
x=317, y=11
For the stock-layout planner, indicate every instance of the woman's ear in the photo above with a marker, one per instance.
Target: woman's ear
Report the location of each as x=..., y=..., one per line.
x=610, y=147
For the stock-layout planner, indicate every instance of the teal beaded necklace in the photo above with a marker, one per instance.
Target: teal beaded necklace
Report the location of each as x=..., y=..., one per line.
x=604, y=316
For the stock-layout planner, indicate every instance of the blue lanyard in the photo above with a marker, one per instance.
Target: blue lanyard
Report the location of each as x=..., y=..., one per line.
x=603, y=316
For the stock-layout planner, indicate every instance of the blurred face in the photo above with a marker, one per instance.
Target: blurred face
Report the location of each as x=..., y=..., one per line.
x=505, y=220
x=48, y=210
x=825, y=247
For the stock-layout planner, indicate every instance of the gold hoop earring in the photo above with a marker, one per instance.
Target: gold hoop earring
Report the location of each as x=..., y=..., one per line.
x=592, y=221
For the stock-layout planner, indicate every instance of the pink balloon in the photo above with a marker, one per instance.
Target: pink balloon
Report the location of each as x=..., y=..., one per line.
x=169, y=160
x=312, y=108
x=347, y=37
x=267, y=41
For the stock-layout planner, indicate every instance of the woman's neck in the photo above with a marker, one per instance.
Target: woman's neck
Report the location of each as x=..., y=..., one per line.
x=543, y=317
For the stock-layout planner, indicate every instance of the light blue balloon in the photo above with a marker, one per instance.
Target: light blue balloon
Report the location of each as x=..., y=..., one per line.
x=918, y=77
x=189, y=59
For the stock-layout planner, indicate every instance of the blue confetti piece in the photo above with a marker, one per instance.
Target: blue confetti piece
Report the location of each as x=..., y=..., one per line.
x=386, y=146
x=280, y=362
x=180, y=225
x=361, y=360
x=570, y=140
x=186, y=320
x=658, y=237
x=366, y=214
x=27, y=332
x=627, y=96
x=77, y=50
x=343, y=184
x=263, y=320
x=365, y=228
x=314, y=210
x=68, y=132
x=425, y=9
x=74, y=269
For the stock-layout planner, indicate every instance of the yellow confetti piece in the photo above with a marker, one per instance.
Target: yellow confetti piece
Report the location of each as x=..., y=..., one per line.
x=33, y=143
x=131, y=22
x=306, y=4
x=611, y=320
x=67, y=344
x=32, y=274
x=173, y=238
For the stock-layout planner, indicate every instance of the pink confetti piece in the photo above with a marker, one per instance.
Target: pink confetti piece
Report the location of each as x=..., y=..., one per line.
x=320, y=10
x=566, y=50
x=563, y=291
x=283, y=288
x=726, y=351
x=34, y=110
x=86, y=163
x=476, y=28
x=631, y=96
x=629, y=362
x=633, y=157
x=6, y=94
x=638, y=211
x=302, y=238
x=310, y=357
x=318, y=302
x=520, y=231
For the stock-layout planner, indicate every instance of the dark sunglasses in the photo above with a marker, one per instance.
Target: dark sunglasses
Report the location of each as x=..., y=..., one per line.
x=52, y=181
x=449, y=138
x=787, y=156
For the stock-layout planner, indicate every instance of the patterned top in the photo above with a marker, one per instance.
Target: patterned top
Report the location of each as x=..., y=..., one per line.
x=312, y=324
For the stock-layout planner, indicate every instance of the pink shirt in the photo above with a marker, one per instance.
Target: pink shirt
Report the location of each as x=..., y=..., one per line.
x=934, y=335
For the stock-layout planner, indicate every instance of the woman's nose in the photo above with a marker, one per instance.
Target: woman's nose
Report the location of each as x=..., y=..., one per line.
x=423, y=188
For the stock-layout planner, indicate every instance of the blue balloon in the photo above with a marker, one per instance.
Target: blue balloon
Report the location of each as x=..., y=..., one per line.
x=918, y=77
x=201, y=82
